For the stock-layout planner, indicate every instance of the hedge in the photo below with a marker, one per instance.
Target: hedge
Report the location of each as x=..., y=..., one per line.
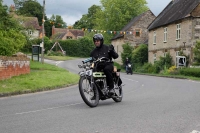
x=77, y=48
x=195, y=72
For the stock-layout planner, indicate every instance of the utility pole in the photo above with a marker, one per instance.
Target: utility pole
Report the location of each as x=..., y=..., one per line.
x=42, y=58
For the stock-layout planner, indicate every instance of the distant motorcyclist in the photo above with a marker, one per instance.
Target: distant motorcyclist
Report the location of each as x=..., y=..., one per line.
x=126, y=64
x=103, y=50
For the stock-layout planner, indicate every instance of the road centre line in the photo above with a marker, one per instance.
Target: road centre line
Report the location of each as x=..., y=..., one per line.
x=34, y=111
x=130, y=79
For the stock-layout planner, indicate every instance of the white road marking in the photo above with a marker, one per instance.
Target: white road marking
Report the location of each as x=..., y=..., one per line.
x=194, y=131
x=130, y=79
x=34, y=111
x=195, y=81
x=58, y=62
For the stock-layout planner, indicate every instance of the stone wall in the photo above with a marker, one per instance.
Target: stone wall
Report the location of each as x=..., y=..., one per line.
x=13, y=66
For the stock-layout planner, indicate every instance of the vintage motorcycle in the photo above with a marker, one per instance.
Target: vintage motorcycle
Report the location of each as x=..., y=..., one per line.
x=129, y=69
x=92, y=82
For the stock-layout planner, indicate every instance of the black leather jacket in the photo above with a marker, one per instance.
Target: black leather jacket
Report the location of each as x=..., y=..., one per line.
x=104, y=51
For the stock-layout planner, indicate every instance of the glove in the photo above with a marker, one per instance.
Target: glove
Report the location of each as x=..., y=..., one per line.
x=111, y=47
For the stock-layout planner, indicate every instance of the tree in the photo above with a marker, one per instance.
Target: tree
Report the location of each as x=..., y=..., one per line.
x=12, y=39
x=117, y=13
x=197, y=52
x=57, y=21
x=127, y=52
x=87, y=20
x=140, y=56
x=31, y=8
x=18, y=3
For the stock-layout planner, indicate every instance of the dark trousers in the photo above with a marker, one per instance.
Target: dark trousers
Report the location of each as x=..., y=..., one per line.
x=108, y=69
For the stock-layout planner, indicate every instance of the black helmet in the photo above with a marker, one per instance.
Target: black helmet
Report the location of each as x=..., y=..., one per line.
x=98, y=37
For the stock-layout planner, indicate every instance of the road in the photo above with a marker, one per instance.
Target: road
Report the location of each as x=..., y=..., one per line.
x=150, y=105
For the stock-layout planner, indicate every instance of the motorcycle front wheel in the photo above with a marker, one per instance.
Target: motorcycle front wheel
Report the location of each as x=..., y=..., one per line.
x=89, y=95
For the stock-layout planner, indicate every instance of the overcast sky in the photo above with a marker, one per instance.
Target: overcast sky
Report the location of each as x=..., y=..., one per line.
x=72, y=10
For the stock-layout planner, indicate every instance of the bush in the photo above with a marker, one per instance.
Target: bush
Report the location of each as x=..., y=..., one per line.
x=195, y=72
x=78, y=48
x=196, y=64
x=127, y=52
x=140, y=56
x=146, y=68
x=163, y=64
x=173, y=70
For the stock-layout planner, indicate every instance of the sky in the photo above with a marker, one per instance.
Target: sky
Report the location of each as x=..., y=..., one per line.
x=72, y=10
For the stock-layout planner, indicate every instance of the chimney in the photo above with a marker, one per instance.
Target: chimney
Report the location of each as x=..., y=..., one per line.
x=53, y=30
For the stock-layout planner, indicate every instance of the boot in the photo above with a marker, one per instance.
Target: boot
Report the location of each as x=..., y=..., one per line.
x=111, y=92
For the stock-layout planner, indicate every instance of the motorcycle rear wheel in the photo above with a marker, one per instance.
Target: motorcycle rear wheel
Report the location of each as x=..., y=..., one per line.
x=89, y=95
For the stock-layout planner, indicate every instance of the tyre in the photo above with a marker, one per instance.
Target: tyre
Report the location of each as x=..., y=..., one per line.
x=118, y=94
x=89, y=95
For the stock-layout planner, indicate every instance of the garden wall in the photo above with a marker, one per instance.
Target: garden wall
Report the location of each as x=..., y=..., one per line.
x=14, y=66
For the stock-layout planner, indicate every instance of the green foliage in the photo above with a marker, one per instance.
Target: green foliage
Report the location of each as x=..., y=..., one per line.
x=197, y=52
x=55, y=77
x=58, y=21
x=107, y=37
x=12, y=40
x=146, y=68
x=116, y=13
x=163, y=63
x=127, y=52
x=31, y=8
x=48, y=44
x=55, y=53
x=160, y=66
x=118, y=65
x=87, y=20
x=78, y=48
x=140, y=56
x=173, y=70
x=195, y=72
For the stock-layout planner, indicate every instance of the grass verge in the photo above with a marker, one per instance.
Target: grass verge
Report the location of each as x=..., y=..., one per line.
x=59, y=58
x=42, y=77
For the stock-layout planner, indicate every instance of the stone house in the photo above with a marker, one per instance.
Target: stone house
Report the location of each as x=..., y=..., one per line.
x=175, y=29
x=135, y=33
x=30, y=24
x=32, y=28
x=64, y=34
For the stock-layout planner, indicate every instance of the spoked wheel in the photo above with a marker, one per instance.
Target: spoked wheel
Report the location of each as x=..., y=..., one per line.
x=89, y=95
x=118, y=94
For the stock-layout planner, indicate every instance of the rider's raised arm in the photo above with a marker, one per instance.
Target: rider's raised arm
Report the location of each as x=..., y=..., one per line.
x=112, y=52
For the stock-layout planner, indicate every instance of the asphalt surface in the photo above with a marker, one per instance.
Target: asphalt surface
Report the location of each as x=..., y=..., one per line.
x=150, y=105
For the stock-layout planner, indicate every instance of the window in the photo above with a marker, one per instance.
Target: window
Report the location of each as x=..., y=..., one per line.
x=154, y=57
x=178, y=31
x=154, y=37
x=165, y=34
x=30, y=32
x=137, y=32
x=69, y=37
x=177, y=53
x=165, y=53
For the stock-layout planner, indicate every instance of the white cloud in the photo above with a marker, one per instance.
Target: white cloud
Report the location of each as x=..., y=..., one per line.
x=71, y=11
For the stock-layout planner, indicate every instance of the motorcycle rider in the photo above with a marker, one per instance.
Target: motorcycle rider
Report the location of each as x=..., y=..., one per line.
x=103, y=50
x=126, y=63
